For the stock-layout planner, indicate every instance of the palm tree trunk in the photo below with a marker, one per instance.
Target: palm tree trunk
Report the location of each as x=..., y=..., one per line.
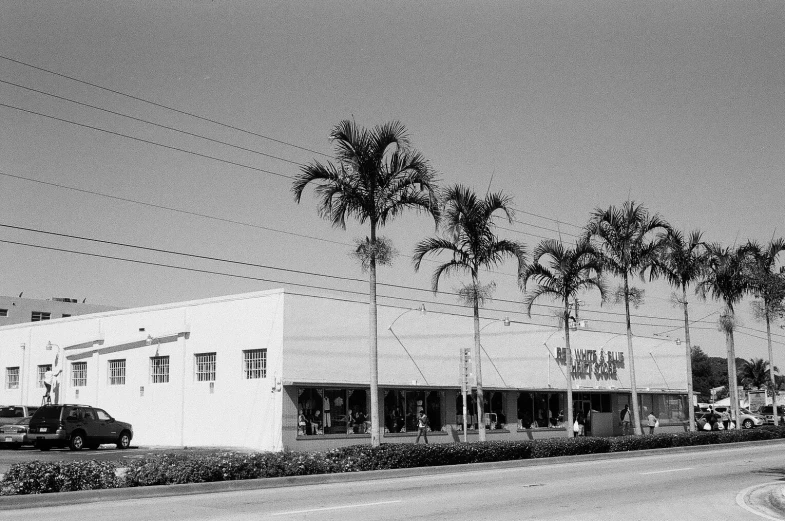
x=732, y=387
x=690, y=407
x=569, y=419
x=477, y=364
x=771, y=367
x=636, y=424
x=373, y=348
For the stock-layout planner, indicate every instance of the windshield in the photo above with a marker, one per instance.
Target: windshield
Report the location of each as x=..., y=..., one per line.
x=11, y=412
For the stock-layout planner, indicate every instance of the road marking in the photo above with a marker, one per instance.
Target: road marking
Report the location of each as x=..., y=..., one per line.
x=335, y=508
x=664, y=471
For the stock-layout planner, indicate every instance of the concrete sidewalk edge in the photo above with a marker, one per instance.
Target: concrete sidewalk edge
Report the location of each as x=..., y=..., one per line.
x=121, y=494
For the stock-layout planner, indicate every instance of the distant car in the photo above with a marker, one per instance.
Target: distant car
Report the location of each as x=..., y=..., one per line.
x=747, y=418
x=77, y=427
x=14, y=435
x=767, y=411
x=10, y=414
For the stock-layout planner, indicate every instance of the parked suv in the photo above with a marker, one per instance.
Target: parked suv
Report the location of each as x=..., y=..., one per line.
x=77, y=426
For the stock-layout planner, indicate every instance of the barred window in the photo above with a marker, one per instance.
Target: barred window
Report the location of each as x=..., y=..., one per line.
x=42, y=369
x=117, y=372
x=37, y=316
x=255, y=363
x=12, y=378
x=79, y=374
x=205, y=367
x=3, y=312
x=159, y=369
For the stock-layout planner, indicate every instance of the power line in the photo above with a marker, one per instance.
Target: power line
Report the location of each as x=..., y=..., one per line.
x=169, y=208
x=91, y=127
x=255, y=265
x=274, y=281
x=173, y=129
x=547, y=218
x=160, y=105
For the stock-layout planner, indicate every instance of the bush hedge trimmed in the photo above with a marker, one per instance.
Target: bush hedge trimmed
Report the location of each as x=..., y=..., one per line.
x=183, y=467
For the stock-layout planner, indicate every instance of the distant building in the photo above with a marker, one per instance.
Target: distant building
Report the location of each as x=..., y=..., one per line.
x=18, y=310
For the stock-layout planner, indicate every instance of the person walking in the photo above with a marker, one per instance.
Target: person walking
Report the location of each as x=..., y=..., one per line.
x=626, y=419
x=652, y=422
x=581, y=421
x=725, y=415
x=422, y=428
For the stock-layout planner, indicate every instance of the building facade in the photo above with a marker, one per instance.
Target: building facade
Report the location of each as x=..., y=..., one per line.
x=273, y=370
x=18, y=310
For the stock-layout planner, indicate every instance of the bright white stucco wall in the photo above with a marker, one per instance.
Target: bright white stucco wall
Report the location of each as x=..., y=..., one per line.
x=239, y=412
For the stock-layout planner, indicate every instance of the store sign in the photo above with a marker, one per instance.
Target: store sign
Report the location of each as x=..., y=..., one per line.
x=588, y=362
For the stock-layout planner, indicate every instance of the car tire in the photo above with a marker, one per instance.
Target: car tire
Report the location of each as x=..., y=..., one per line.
x=747, y=424
x=43, y=446
x=77, y=441
x=124, y=441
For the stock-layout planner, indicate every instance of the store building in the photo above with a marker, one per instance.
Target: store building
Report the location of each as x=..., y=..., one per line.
x=273, y=370
x=18, y=310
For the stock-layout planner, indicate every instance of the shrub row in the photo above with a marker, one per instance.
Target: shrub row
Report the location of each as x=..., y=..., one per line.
x=176, y=468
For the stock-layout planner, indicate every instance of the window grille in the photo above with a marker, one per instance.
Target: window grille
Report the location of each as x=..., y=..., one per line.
x=12, y=378
x=79, y=374
x=205, y=367
x=255, y=363
x=38, y=316
x=159, y=369
x=116, y=372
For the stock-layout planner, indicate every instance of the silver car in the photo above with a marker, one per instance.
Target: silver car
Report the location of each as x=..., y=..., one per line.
x=748, y=419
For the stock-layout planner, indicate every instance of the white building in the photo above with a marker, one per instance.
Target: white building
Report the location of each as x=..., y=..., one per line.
x=237, y=371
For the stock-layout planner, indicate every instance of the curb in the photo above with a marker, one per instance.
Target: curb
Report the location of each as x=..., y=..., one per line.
x=121, y=494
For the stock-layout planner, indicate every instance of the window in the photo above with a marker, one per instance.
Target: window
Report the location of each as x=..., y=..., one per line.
x=403, y=407
x=116, y=372
x=205, y=367
x=3, y=312
x=255, y=363
x=42, y=369
x=37, y=316
x=79, y=374
x=66, y=315
x=541, y=410
x=332, y=411
x=159, y=369
x=12, y=378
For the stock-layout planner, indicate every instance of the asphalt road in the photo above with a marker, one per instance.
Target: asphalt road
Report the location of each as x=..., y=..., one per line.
x=683, y=485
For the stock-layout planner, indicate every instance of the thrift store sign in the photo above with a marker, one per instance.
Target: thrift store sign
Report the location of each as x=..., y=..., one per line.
x=587, y=362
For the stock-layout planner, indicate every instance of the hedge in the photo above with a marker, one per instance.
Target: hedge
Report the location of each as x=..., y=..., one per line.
x=185, y=467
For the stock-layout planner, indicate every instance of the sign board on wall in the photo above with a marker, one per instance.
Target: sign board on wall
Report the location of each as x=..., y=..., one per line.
x=588, y=362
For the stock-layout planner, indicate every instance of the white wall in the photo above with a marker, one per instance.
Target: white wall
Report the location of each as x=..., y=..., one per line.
x=238, y=413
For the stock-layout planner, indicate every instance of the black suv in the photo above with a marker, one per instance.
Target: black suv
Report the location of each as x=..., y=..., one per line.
x=77, y=426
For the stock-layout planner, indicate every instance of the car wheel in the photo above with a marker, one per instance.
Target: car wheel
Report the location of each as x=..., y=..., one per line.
x=747, y=424
x=43, y=446
x=77, y=441
x=124, y=441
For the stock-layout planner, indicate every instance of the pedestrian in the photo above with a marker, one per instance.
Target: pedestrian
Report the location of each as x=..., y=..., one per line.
x=581, y=421
x=422, y=427
x=626, y=419
x=652, y=422
x=725, y=418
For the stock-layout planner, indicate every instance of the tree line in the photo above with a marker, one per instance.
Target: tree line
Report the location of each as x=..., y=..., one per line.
x=377, y=174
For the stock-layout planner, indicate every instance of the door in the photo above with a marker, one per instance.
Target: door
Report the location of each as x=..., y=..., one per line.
x=106, y=427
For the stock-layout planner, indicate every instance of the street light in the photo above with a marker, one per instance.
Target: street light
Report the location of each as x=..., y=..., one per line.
x=422, y=311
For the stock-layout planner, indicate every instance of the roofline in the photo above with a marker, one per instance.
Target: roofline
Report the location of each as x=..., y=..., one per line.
x=157, y=307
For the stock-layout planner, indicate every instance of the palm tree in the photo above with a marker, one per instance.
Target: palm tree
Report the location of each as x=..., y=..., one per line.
x=681, y=262
x=469, y=237
x=624, y=238
x=725, y=279
x=770, y=288
x=376, y=177
x=567, y=272
x=753, y=372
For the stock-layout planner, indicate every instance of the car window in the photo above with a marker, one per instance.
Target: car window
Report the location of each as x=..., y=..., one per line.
x=87, y=414
x=10, y=412
x=102, y=415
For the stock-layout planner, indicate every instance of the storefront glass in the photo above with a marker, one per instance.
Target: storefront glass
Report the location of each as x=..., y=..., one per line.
x=540, y=410
x=332, y=411
x=402, y=408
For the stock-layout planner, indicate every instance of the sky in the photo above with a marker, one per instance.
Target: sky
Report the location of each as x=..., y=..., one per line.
x=565, y=106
